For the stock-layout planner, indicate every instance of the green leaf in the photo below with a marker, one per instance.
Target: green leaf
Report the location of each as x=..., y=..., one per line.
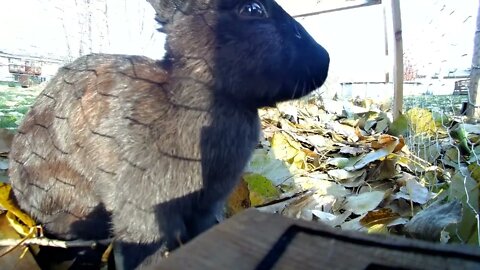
x=465, y=189
x=261, y=189
x=339, y=162
x=399, y=126
x=263, y=162
x=460, y=133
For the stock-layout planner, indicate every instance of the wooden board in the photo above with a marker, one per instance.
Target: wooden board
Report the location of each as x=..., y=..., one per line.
x=260, y=241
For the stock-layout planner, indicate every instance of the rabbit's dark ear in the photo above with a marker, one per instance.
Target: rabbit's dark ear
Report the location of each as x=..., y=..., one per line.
x=166, y=8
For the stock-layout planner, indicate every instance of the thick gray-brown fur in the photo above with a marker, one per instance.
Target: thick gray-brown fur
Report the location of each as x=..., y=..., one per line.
x=147, y=151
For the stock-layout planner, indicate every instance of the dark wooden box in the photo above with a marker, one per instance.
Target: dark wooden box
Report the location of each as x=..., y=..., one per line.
x=255, y=240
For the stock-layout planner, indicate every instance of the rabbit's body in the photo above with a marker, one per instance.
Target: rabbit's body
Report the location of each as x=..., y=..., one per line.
x=148, y=151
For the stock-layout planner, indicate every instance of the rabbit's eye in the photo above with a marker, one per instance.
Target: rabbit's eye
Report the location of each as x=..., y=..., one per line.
x=252, y=9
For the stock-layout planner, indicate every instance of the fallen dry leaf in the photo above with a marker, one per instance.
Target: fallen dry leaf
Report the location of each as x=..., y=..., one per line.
x=239, y=199
x=429, y=223
x=414, y=191
x=382, y=216
x=20, y=257
x=361, y=204
x=22, y=223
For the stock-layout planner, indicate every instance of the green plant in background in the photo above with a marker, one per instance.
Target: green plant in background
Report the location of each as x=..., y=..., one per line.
x=14, y=104
x=8, y=121
x=448, y=104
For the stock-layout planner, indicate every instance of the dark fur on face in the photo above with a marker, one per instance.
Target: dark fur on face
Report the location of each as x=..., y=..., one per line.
x=148, y=151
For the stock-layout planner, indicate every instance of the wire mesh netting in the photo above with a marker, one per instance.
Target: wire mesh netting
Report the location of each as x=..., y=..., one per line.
x=440, y=56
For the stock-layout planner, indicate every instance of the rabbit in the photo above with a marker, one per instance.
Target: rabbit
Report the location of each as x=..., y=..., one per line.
x=147, y=151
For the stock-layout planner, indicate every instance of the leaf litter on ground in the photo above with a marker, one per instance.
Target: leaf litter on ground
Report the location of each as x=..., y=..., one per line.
x=363, y=171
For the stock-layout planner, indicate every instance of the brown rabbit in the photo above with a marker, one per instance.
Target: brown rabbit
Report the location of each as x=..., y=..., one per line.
x=147, y=151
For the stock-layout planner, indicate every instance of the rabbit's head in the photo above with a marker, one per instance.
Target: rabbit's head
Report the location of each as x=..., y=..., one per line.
x=250, y=51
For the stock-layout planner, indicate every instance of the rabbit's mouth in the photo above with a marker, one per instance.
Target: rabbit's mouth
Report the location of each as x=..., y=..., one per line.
x=311, y=75
x=278, y=83
x=304, y=75
x=309, y=67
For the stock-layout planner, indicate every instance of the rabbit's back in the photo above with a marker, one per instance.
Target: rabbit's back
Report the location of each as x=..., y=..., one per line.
x=71, y=141
x=107, y=136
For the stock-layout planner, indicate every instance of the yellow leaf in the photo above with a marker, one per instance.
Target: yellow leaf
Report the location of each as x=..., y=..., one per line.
x=15, y=257
x=284, y=147
x=474, y=169
x=378, y=228
x=18, y=226
x=15, y=215
x=300, y=160
x=107, y=254
x=421, y=121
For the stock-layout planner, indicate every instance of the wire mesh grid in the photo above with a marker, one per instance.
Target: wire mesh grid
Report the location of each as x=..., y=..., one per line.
x=440, y=134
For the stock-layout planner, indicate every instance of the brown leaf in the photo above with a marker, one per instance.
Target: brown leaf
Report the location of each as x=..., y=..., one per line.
x=359, y=133
x=239, y=199
x=381, y=216
x=310, y=153
x=300, y=208
x=401, y=144
x=385, y=170
x=384, y=140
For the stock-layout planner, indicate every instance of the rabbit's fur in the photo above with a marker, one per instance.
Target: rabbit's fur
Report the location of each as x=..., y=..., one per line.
x=149, y=150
